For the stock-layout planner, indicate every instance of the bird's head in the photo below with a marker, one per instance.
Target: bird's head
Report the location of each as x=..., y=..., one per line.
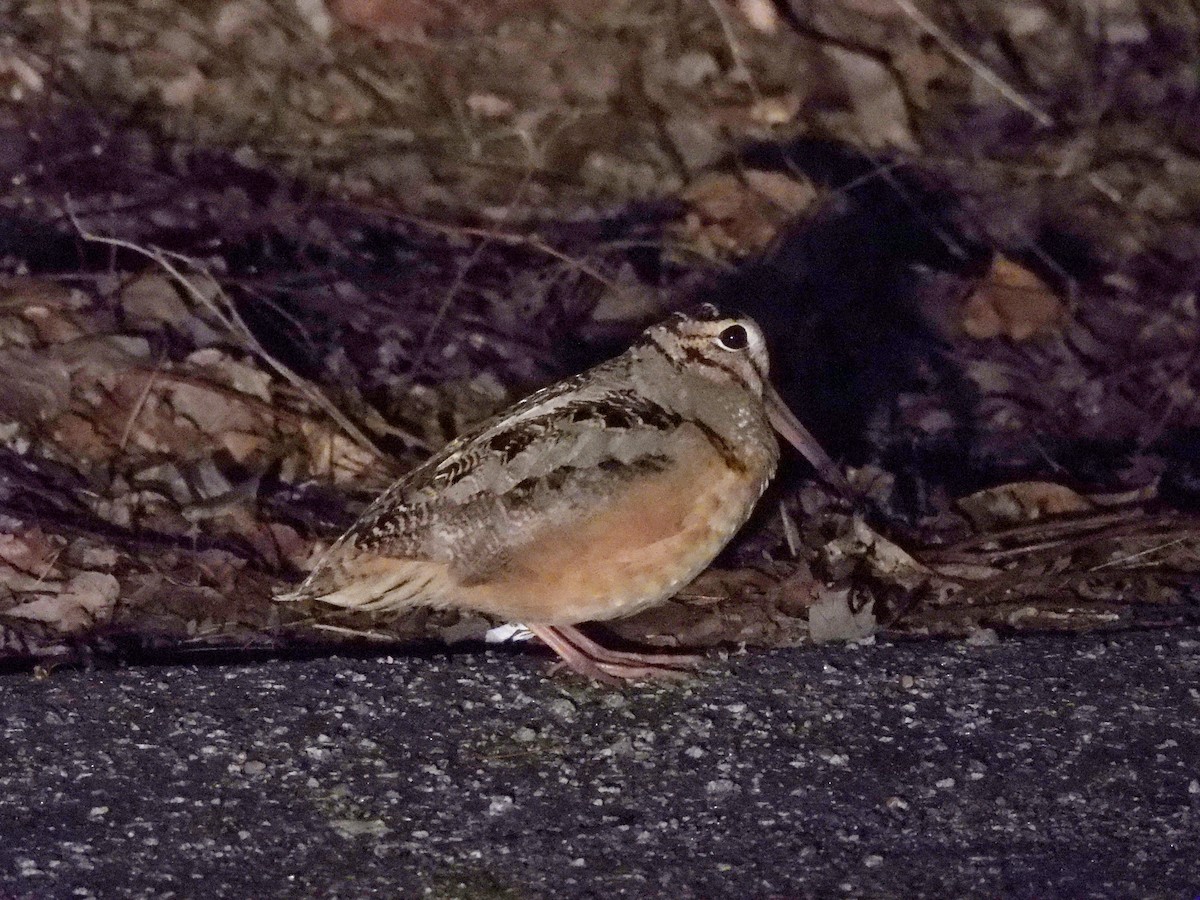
x=732, y=349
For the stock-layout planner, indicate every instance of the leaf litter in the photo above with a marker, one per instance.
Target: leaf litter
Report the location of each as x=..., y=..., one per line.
x=211, y=365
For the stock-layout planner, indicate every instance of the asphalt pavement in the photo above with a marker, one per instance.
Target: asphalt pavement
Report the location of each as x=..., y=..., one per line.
x=1044, y=766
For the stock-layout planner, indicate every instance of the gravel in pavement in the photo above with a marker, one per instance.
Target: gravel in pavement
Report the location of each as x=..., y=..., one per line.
x=1045, y=766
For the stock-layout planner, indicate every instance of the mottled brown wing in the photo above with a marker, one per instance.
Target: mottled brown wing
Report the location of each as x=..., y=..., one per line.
x=488, y=492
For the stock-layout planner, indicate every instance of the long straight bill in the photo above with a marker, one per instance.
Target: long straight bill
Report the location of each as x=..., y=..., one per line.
x=786, y=423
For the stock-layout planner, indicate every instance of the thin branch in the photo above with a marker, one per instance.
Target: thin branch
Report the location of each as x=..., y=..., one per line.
x=138, y=406
x=443, y=310
x=1120, y=561
x=233, y=322
x=955, y=49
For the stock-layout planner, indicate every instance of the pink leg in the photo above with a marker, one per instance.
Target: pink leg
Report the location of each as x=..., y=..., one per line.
x=573, y=658
x=583, y=655
x=600, y=652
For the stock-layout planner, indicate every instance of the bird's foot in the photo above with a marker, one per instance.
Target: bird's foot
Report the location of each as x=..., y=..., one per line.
x=581, y=654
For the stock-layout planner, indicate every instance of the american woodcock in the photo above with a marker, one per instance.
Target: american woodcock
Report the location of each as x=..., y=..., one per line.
x=591, y=499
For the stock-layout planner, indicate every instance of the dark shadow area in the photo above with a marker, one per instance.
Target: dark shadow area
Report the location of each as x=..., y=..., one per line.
x=424, y=328
x=855, y=302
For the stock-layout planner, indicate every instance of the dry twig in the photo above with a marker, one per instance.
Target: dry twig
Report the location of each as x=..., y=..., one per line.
x=951, y=46
x=227, y=314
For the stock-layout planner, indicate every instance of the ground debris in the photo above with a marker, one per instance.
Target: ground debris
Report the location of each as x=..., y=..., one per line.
x=215, y=352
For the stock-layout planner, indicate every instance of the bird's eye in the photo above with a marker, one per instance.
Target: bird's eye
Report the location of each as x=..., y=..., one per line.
x=735, y=337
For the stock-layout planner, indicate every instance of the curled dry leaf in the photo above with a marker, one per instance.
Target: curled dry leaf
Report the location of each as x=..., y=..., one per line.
x=861, y=556
x=1021, y=501
x=31, y=552
x=735, y=215
x=886, y=561
x=1013, y=302
x=85, y=599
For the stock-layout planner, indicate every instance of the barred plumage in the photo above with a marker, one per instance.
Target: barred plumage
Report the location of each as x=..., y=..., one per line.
x=591, y=499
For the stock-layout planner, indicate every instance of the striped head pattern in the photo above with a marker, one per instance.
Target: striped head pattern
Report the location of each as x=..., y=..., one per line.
x=732, y=350
x=724, y=348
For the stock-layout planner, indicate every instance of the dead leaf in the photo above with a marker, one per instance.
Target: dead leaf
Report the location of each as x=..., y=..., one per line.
x=330, y=454
x=14, y=581
x=98, y=557
x=965, y=571
x=489, y=106
x=790, y=194
x=53, y=324
x=280, y=543
x=777, y=110
x=241, y=376
x=627, y=303
x=316, y=16
x=761, y=15
x=212, y=411
x=732, y=215
x=880, y=115
x=153, y=300
x=17, y=76
x=32, y=552
x=885, y=560
x=36, y=386
x=87, y=598
x=796, y=593
x=1013, y=302
x=183, y=90
x=921, y=66
x=390, y=18
x=716, y=197
x=22, y=293
x=220, y=569
x=1019, y=502
x=832, y=618
x=242, y=446
x=79, y=439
